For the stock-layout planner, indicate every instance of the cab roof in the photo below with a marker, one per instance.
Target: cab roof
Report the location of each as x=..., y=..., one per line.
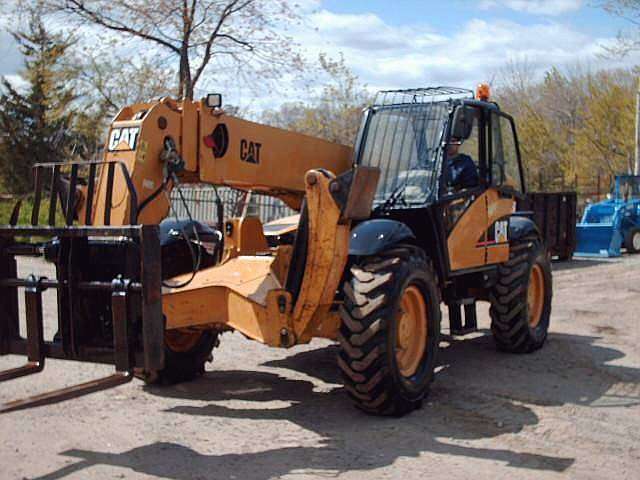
x=426, y=95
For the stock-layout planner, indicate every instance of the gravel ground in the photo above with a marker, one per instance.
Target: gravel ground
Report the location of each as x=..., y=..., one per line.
x=571, y=410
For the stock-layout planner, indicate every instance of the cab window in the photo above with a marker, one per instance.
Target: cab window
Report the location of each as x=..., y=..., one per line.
x=464, y=154
x=505, y=169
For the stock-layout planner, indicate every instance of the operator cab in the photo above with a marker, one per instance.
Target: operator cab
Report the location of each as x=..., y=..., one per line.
x=416, y=137
x=450, y=170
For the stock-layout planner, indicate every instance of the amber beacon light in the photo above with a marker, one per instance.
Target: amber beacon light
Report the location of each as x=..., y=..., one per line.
x=483, y=92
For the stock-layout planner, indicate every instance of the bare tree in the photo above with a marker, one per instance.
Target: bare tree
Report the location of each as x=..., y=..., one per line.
x=334, y=113
x=628, y=40
x=230, y=35
x=134, y=82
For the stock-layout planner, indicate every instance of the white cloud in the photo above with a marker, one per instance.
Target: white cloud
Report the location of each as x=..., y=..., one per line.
x=389, y=56
x=384, y=55
x=17, y=82
x=535, y=7
x=367, y=31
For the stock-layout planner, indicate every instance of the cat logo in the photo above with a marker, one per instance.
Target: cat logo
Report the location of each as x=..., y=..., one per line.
x=501, y=231
x=250, y=151
x=123, y=139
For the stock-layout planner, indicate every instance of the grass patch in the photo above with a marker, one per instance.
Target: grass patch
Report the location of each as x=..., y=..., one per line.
x=6, y=209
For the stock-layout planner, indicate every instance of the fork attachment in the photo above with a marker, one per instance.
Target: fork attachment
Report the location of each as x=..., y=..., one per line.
x=108, y=284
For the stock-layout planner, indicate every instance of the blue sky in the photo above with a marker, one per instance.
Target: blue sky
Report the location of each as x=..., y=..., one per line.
x=405, y=43
x=410, y=43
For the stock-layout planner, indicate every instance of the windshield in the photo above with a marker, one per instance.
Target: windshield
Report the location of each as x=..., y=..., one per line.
x=404, y=142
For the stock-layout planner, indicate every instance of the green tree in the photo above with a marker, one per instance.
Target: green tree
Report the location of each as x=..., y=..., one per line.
x=546, y=112
x=572, y=124
x=36, y=123
x=605, y=139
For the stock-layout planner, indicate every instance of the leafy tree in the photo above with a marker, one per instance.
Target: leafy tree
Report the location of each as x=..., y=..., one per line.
x=35, y=124
x=605, y=139
x=573, y=124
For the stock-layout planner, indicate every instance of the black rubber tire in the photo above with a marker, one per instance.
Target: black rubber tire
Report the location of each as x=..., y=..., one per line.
x=368, y=332
x=509, y=309
x=185, y=366
x=628, y=240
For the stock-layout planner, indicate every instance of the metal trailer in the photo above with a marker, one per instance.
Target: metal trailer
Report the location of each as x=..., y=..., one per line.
x=555, y=215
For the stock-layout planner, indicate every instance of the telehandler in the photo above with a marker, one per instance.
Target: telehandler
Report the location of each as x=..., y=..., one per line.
x=384, y=235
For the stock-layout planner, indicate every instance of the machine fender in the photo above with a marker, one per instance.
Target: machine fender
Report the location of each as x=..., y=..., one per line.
x=373, y=236
x=521, y=227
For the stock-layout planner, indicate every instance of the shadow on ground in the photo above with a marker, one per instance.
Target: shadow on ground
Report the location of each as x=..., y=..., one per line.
x=478, y=394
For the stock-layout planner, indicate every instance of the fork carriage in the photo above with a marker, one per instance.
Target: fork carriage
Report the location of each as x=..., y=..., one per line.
x=110, y=313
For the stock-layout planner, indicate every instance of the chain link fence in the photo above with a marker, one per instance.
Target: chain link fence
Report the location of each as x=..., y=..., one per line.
x=201, y=202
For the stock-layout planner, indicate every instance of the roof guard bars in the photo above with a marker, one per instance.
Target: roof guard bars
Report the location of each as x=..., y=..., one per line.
x=420, y=95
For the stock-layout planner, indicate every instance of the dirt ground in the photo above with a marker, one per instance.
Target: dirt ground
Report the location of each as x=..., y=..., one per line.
x=571, y=410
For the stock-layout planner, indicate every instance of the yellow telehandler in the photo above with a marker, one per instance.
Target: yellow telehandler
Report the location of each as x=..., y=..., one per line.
x=422, y=211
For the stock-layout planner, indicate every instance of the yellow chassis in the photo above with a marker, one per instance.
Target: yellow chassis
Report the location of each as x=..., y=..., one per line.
x=246, y=293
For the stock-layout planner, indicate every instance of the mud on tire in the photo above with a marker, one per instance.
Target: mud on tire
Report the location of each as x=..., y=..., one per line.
x=519, y=322
x=373, y=295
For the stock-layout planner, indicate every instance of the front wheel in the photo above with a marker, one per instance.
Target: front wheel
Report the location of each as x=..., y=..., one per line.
x=390, y=331
x=521, y=299
x=185, y=354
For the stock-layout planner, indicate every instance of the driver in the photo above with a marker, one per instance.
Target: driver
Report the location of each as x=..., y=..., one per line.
x=462, y=169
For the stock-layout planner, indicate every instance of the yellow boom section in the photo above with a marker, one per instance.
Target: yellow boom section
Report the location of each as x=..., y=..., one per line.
x=216, y=148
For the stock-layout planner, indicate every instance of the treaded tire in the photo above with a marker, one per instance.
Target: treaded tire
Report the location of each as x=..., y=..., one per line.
x=368, y=333
x=509, y=306
x=628, y=240
x=186, y=365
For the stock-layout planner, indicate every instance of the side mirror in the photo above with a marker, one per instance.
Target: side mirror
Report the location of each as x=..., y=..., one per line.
x=463, y=122
x=214, y=100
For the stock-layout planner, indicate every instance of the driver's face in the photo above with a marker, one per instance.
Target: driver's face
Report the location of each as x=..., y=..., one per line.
x=452, y=149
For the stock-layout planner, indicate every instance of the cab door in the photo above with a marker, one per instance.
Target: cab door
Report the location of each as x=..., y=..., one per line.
x=506, y=185
x=464, y=210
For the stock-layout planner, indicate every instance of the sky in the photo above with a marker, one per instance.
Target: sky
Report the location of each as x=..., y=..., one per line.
x=408, y=43
x=413, y=43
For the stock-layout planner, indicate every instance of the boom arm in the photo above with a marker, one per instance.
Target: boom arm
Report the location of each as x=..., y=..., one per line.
x=216, y=148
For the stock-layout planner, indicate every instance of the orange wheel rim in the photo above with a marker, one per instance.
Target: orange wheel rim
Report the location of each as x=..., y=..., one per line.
x=182, y=340
x=411, y=337
x=535, y=296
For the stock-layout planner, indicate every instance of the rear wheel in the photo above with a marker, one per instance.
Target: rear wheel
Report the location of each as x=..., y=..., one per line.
x=186, y=352
x=521, y=299
x=632, y=240
x=390, y=331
